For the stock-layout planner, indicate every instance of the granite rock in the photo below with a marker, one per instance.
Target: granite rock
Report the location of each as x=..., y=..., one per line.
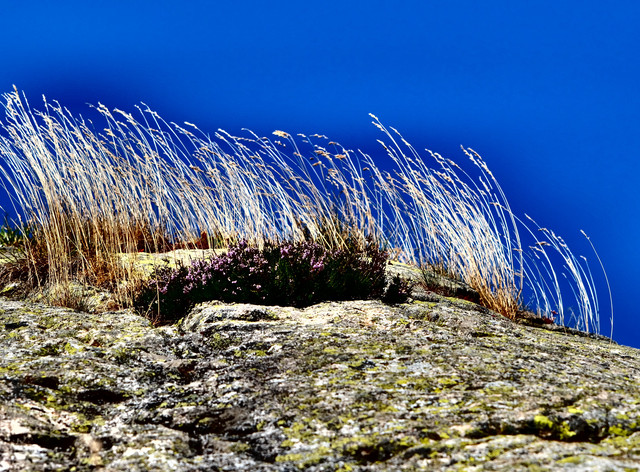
x=436, y=385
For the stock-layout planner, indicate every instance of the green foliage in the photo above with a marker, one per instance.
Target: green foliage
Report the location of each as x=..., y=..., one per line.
x=13, y=235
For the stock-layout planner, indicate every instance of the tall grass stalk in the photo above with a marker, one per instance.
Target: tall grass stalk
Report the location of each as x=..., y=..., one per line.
x=145, y=184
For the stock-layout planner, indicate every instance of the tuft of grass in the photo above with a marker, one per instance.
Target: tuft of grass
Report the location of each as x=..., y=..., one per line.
x=143, y=184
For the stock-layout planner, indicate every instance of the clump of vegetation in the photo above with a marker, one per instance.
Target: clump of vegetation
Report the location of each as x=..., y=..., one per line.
x=286, y=274
x=23, y=259
x=146, y=185
x=14, y=235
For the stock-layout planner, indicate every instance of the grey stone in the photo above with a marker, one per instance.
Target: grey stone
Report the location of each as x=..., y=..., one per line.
x=436, y=385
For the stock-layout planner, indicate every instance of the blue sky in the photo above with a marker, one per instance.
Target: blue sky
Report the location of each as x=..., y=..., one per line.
x=547, y=92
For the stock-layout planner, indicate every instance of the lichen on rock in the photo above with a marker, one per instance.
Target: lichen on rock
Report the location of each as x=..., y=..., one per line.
x=434, y=384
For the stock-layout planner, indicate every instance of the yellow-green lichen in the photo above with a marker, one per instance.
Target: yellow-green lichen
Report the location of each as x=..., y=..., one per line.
x=571, y=460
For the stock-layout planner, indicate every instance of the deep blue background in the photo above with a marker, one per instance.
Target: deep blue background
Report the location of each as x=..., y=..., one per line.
x=547, y=91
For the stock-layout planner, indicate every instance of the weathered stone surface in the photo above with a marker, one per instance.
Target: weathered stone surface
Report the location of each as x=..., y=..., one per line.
x=444, y=285
x=433, y=384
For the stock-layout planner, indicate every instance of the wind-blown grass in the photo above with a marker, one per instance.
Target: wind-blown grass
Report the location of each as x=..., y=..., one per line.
x=142, y=183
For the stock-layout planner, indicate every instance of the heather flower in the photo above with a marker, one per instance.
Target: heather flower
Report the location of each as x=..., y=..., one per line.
x=294, y=274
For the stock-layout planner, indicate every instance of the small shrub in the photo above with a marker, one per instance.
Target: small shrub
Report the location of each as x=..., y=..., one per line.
x=287, y=274
x=14, y=235
x=164, y=293
x=398, y=290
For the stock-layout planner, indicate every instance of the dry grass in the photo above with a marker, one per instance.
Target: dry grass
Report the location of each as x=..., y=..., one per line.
x=144, y=184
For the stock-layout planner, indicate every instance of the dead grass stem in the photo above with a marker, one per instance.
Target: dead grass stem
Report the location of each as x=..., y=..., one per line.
x=147, y=185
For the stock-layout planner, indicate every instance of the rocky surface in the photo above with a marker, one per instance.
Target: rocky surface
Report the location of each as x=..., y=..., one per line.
x=433, y=384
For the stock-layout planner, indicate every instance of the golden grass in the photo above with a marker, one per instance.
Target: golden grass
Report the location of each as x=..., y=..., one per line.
x=144, y=184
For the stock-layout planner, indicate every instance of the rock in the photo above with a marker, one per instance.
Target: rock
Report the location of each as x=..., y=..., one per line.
x=359, y=385
x=146, y=262
x=435, y=283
